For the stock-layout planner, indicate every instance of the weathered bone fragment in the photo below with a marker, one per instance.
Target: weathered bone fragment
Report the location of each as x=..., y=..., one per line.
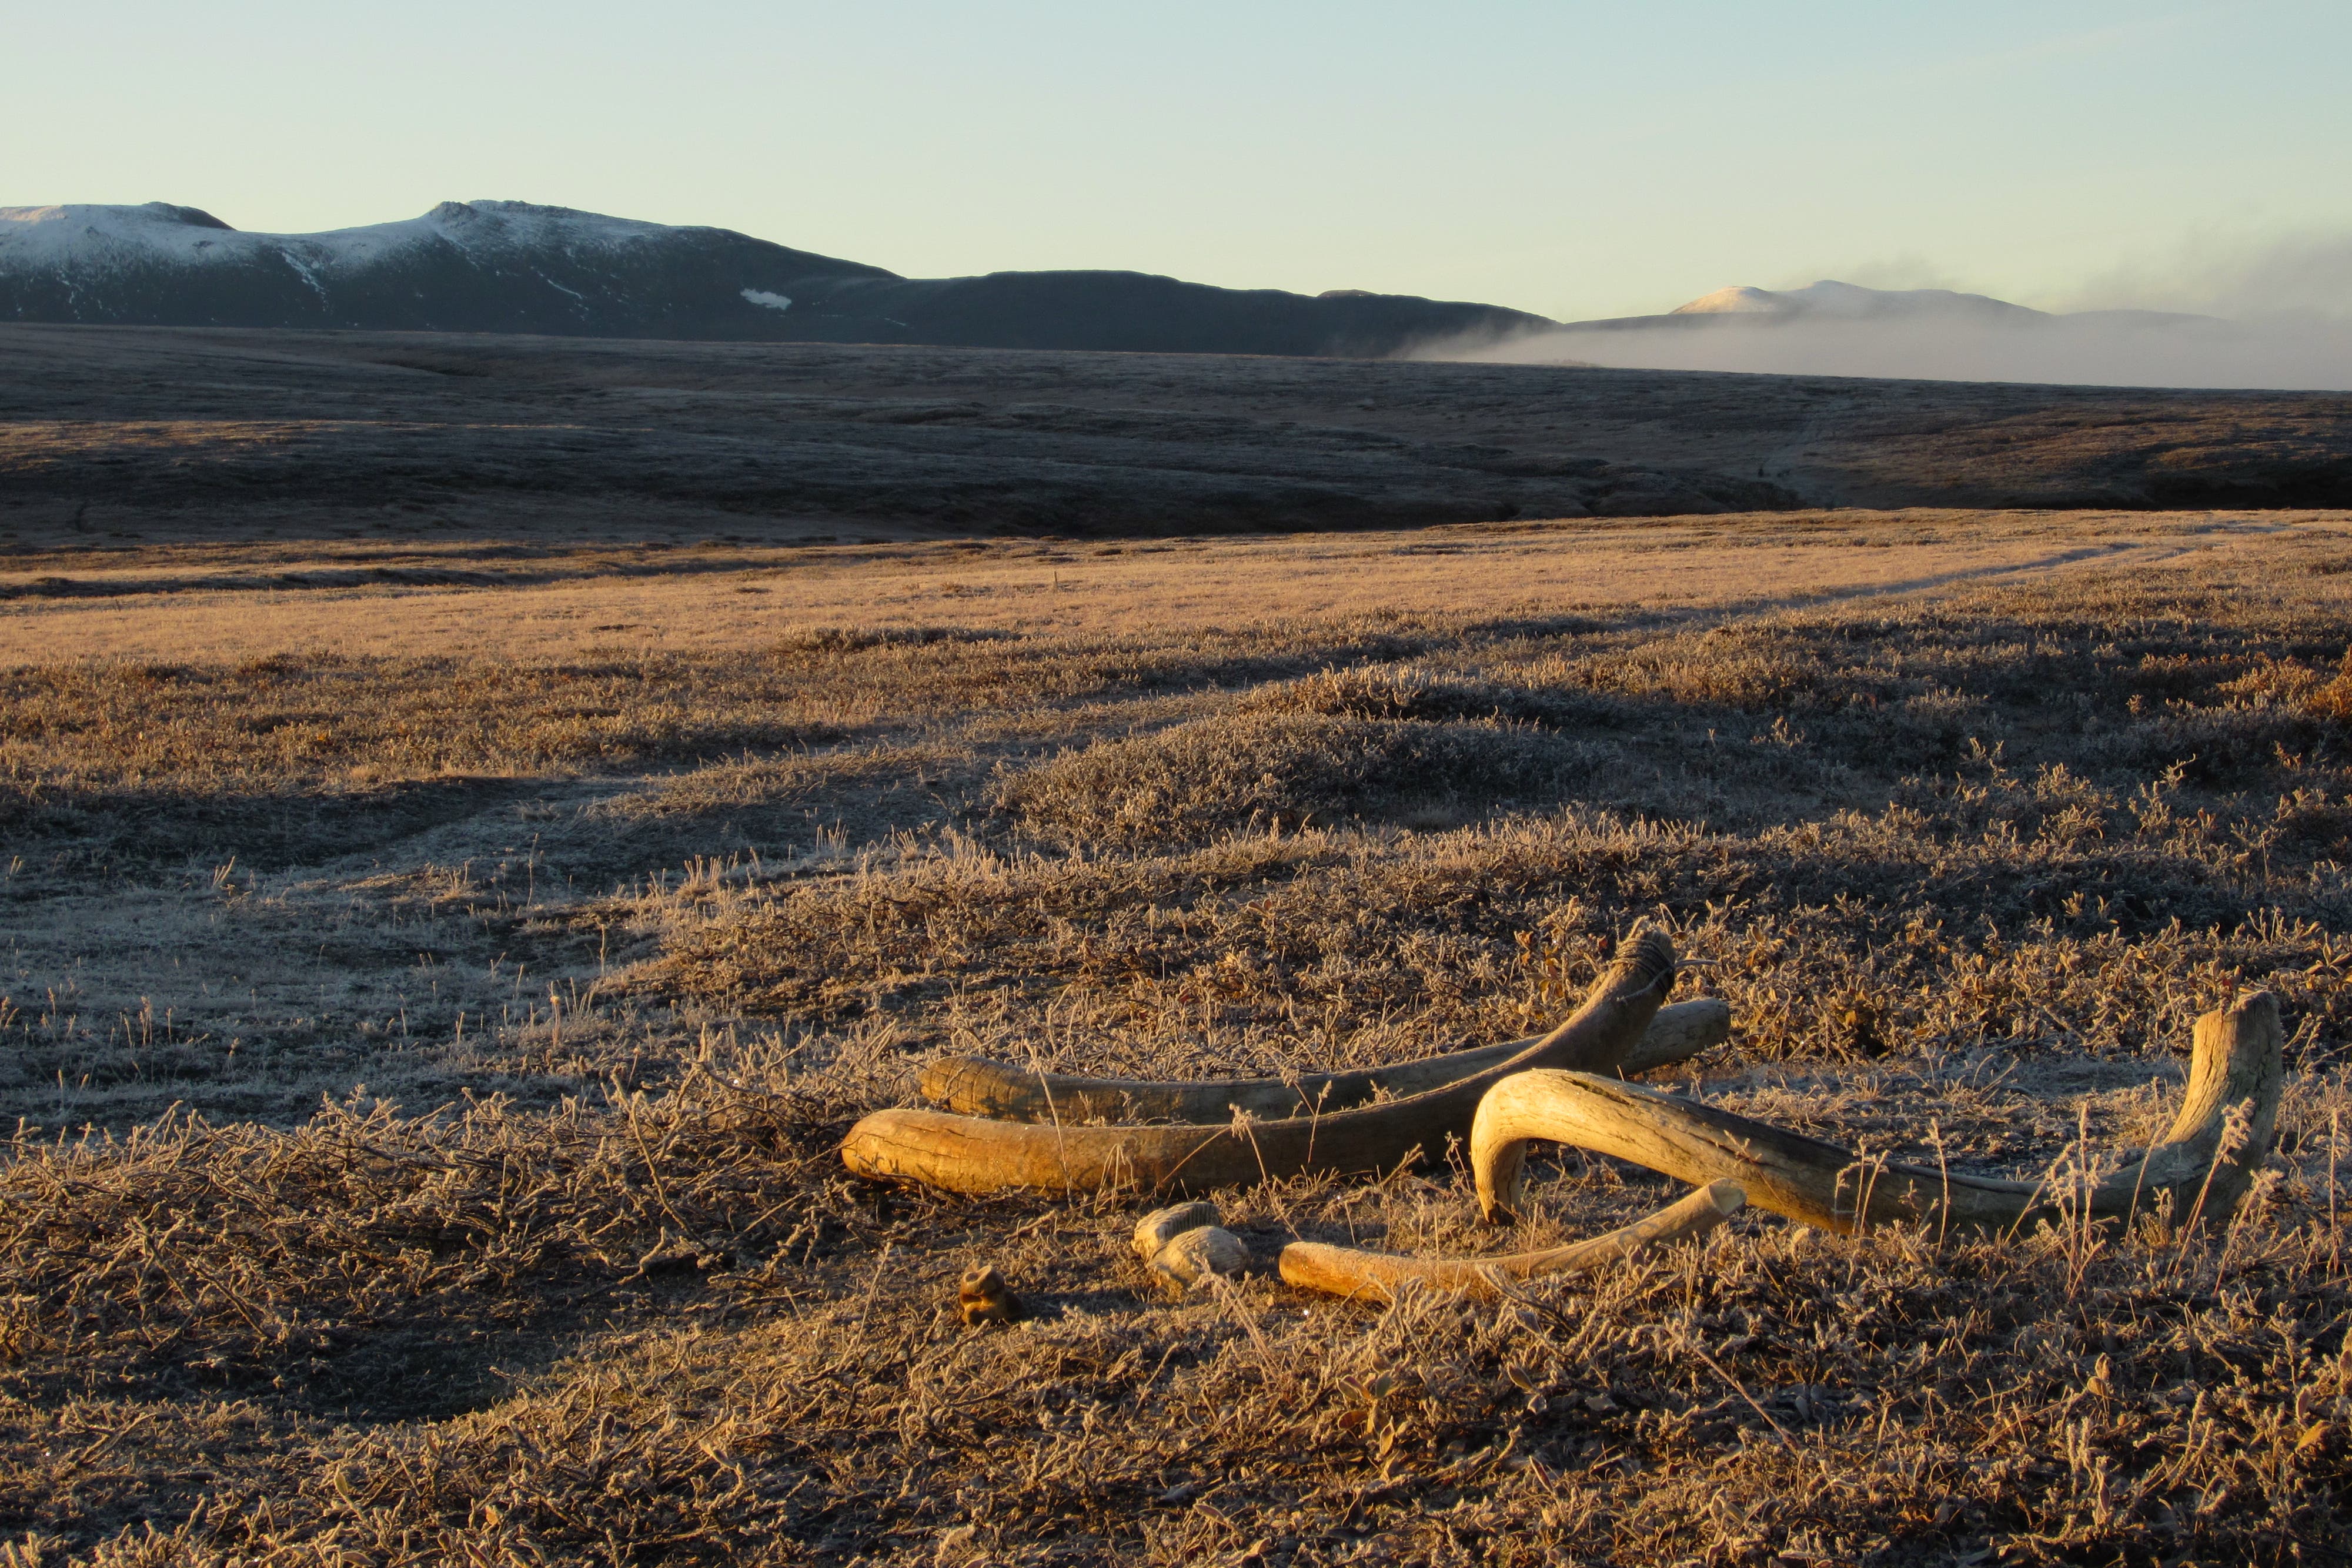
x=975, y=1086
x=968, y=1154
x=983, y=1297
x=1161, y=1225
x=1194, y=1255
x=2205, y=1161
x=1379, y=1276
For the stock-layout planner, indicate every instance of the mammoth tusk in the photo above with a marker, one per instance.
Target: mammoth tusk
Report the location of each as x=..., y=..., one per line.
x=1379, y=1276
x=975, y=1086
x=970, y=1153
x=2222, y=1131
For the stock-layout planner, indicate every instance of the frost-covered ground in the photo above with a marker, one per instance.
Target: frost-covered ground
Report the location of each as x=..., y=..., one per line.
x=464, y=1031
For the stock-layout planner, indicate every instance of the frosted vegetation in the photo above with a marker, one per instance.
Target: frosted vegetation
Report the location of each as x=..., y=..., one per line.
x=451, y=1174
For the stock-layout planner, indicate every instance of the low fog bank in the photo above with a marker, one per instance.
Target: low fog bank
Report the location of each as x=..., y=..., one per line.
x=2098, y=349
x=2304, y=275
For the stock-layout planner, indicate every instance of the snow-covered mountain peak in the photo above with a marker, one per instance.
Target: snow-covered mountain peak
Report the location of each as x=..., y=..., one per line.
x=1737, y=300
x=59, y=233
x=162, y=212
x=493, y=266
x=528, y=223
x=91, y=235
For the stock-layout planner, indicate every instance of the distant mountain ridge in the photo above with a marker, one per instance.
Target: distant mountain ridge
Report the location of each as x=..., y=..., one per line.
x=1830, y=301
x=512, y=267
x=517, y=267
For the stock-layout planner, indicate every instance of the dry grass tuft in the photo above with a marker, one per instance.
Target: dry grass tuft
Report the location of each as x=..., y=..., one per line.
x=1271, y=767
x=1394, y=692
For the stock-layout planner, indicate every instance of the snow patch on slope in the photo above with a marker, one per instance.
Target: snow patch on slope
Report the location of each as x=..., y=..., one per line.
x=772, y=301
x=305, y=274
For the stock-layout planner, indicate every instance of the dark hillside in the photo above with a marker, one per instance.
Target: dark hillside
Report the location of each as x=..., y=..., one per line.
x=510, y=266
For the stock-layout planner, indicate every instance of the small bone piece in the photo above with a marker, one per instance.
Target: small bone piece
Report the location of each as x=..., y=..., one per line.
x=984, y=1297
x=1192, y=1256
x=1161, y=1225
x=1379, y=1276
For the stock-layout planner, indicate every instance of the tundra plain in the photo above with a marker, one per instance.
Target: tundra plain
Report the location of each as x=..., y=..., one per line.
x=439, y=971
x=132, y=436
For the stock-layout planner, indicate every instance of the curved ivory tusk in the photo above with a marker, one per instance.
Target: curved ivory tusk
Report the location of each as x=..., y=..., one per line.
x=1379, y=1276
x=2235, y=1066
x=975, y=1086
x=970, y=1153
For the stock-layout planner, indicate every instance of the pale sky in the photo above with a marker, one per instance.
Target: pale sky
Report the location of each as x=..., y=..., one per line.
x=1575, y=159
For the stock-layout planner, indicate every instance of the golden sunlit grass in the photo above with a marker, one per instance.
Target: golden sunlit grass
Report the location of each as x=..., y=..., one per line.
x=593, y=954
x=232, y=604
